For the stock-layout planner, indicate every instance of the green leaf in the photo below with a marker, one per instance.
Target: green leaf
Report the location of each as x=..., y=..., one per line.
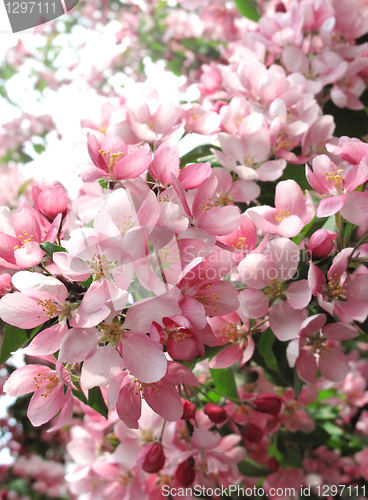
x=96, y=401
x=80, y=395
x=353, y=123
x=176, y=63
x=247, y=9
x=24, y=186
x=296, y=173
x=51, y=248
x=14, y=339
x=249, y=467
x=265, y=349
x=212, y=351
x=224, y=382
x=39, y=148
x=88, y=282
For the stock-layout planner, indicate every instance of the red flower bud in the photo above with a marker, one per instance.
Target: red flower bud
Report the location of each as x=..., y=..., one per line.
x=215, y=413
x=252, y=433
x=268, y=403
x=321, y=243
x=273, y=464
x=280, y=7
x=185, y=474
x=152, y=458
x=189, y=410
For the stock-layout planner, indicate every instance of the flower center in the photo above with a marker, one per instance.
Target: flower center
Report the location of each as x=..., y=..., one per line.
x=335, y=177
x=274, y=290
x=114, y=158
x=24, y=239
x=335, y=290
x=53, y=381
x=284, y=213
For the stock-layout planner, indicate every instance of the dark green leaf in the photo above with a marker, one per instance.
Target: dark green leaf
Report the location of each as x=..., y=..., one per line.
x=296, y=173
x=224, y=382
x=88, y=282
x=353, y=123
x=96, y=401
x=249, y=467
x=247, y=9
x=212, y=351
x=51, y=248
x=265, y=349
x=14, y=339
x=80, y=395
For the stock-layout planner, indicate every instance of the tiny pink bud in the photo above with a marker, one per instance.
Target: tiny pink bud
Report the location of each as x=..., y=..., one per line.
x=185, y=473
x=268, y=403
x=189, y=410
x=321, y=243
x=215, y=413
x=252, y=433
x=152, y=458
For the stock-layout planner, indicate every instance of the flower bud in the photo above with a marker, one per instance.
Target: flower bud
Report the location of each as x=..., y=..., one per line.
x=215, y=413
x=189, y=410
x=280, y=7
x=321, y=243
x=273, y=464
x=152, y=458
x=252, y=433
x=185, y=473
x=268, y=403
x=49, y=198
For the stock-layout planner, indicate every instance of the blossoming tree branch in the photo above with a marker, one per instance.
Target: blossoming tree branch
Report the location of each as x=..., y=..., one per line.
x=199, y=319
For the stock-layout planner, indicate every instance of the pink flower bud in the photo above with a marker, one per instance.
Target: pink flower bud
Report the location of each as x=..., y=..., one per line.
x=215, y=413
x=189, y=410
x=252, y=433
x=268, y=403
x=321, y=243
x=49, y=199
x=185, y=473
x=152, y=458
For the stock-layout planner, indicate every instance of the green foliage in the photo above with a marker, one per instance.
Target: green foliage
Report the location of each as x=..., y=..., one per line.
x=224, y=382
x=249, y=467
x=14, y=339
x=96, y=401
x=51, y=248
x=247, y=9
x=348, y=122
x=39, y=148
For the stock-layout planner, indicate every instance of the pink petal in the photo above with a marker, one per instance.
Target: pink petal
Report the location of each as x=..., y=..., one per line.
x=48, y=341
x=78, y=344
x=143, y=357
x=334, y=365
x=298, y=294
x=129, y=405
x=101, y=368
x=355, y=209
x=306, y=366
x=21, y=311
x=41, y=409
x=285, y=322
x=330, y=206
x=205, y=440
x=66, y=412
x=22, y=380
x=133, y=164
x=253, y=303
x=164, y=399
x=339, y=331
x=227, y=357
